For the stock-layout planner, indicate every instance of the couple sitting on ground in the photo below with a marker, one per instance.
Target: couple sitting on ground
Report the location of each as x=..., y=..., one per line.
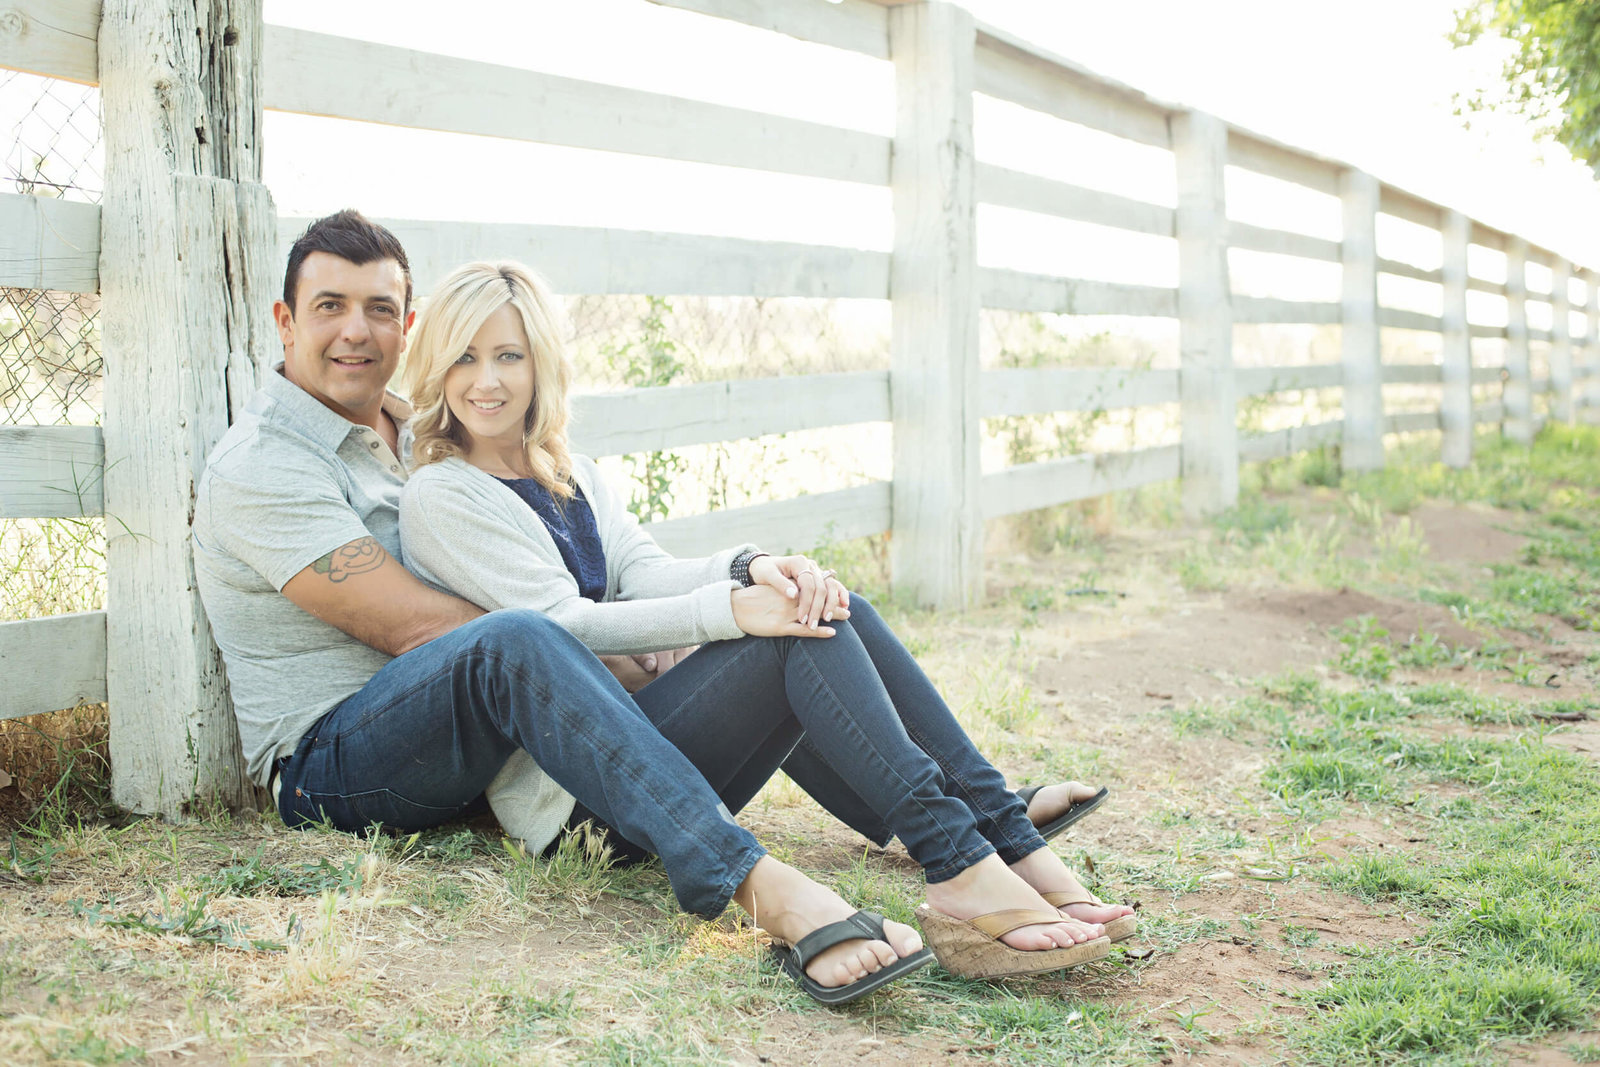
x=501, y=657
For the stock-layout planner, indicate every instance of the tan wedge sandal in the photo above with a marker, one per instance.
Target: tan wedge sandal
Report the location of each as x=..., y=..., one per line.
x=1118, y=929
x=971, y=948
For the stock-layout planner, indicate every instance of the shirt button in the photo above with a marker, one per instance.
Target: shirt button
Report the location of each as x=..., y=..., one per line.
x=394, y=468
x=373, y=445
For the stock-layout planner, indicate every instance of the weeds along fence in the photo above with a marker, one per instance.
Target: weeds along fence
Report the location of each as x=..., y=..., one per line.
x=184, y=250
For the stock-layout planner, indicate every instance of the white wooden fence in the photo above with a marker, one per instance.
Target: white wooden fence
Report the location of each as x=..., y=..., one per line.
x=185, y=250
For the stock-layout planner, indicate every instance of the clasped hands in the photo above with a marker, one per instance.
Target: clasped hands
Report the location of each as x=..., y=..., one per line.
x=792, y=597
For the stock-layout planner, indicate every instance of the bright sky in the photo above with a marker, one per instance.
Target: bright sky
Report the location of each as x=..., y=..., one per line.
x=1367, y=81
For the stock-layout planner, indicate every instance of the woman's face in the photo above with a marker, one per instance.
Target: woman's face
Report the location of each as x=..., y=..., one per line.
x=490, y=387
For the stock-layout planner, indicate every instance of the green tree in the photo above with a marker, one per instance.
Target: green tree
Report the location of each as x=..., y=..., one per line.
x=1552, y=72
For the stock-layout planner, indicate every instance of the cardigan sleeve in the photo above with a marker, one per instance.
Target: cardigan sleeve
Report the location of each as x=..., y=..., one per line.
x=454, y=538
x=640, y=568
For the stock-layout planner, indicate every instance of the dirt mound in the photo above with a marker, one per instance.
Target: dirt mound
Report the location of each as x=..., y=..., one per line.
x=1402, y=618
x=1468, y=535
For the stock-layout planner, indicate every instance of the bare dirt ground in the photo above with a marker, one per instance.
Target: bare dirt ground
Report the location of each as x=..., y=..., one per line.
x=436, y=966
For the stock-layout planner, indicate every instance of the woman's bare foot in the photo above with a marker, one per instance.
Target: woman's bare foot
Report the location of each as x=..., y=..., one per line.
x=1043, y=870
x=788, y=905
x=989, y=885
x=1052, y=801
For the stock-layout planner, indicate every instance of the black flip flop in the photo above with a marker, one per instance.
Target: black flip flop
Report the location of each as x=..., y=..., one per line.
x=1068, y=817
x=863, y=924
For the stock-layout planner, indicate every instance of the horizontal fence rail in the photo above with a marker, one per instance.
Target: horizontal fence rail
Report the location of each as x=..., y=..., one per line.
x=52, y=663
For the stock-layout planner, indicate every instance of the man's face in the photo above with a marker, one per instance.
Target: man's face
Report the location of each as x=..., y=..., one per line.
x=343, y=340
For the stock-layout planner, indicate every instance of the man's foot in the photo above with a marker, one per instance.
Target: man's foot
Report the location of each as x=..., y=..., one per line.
x=788, y=905
x=989, y=886
x=1052, y=801
x=1043, y=870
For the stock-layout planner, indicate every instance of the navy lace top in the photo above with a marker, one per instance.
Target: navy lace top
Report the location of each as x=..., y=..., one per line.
x=572, y=527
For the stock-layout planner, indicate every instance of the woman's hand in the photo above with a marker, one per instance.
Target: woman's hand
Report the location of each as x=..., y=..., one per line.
x=763, y=611
x=817, y=595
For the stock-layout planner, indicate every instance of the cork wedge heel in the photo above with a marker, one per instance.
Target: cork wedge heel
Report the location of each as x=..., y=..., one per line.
x=971, y=948
x=1118, y=929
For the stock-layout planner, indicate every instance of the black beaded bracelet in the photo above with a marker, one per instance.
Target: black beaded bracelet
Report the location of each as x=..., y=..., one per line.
x=739, y=569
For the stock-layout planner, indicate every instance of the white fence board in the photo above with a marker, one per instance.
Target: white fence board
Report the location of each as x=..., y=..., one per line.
x=1411, y=422
x=1254, y=381
x=801, y=524
x=1281, y=242
x=854, y=25
x=318, y=74
x=51, y=472
x=1482, y=285
x=1258, y=309
x=1476, y=330
x=1265, y=156
x=1403, y=269
x=53, y=38
x=1495, y=412
x=1013, y=70
x=1412, y=374
x=1019, y=291
x=49, y=244
x=1486, y=375
x=591, y=260
x=1029, y=192
x=1280, y=444
x=1400, y=319
x=1032, y=391
x=1409, y=206
x=1028, y=486
x=643, y=420
x=52, y=663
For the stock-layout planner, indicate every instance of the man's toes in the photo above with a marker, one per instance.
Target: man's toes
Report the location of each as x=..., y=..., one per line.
x=903, y=939
x=882, y=952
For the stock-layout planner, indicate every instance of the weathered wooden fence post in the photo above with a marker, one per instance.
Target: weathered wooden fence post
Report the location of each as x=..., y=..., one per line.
x=1518, y=423
x=1561, y=396
x=1455, y=390
x=187, y=250
x=1360, y=346
x=937, y=541
x=1210, y=432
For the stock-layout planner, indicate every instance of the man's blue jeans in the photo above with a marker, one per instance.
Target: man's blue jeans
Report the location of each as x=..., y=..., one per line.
x=880, y=748
x=423, y=738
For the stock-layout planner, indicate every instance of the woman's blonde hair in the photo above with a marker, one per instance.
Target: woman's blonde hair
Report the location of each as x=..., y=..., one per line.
x=446, y=324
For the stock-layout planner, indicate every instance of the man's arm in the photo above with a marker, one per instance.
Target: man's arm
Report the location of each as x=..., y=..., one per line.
x=363, y=591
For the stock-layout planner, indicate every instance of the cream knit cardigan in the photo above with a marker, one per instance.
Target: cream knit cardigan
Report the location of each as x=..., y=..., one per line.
x=463, y=531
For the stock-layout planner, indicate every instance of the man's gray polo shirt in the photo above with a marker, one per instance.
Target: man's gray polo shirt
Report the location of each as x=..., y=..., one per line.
x=288, y=483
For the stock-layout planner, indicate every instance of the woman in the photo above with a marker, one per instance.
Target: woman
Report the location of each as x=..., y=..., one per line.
x=498, y=511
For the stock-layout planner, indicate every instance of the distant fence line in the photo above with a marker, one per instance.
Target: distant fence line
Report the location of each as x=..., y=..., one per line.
x=185, y=249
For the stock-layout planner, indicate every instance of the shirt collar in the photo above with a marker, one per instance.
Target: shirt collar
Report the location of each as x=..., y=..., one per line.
x=313, y=418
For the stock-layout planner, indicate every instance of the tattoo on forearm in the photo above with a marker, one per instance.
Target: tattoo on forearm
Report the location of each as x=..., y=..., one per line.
x=358, y=557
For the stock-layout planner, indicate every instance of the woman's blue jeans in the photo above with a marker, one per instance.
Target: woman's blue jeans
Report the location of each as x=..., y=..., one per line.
x=423, y=738
x=877, y=746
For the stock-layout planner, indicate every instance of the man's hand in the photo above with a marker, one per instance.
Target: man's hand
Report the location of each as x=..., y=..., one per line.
x=636, y=672
x=360, y=589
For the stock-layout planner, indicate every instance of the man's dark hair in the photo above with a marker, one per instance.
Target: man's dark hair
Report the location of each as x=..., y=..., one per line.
x=349, y=235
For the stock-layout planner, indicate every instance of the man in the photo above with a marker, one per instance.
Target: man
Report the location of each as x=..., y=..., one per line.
x=364, y=696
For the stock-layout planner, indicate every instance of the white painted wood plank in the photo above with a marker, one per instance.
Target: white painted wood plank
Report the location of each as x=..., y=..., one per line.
x=1488, y=375
x=1410, y=207
x=1479, y=330
x=1282, y=242
x=1517, y=396
x=1411, y=422
x=1540, y=335
x=1029, y=486
x=1033, y=391
x=1360, y=348
x=51, y=472
x=1402, y=269
x=1540, y=386
x=1400, y=319
x=317, y=74
x=1019, y=291
x=1488, y=237
x=1281, y=444
x=1495, y=412
x=1256, y=381
x=1265, y=156
x=1209, y=406
x=592, y=260
x=854, y=25
x=53, y=38
x=1481, y=285
x=798, y=525
x=644, y=420
x=1256, y=309
x=1013, y=70
x=49, y=244
x=1412, y=374
x=1029, y=192
x=936, y=554
x=53, y=663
